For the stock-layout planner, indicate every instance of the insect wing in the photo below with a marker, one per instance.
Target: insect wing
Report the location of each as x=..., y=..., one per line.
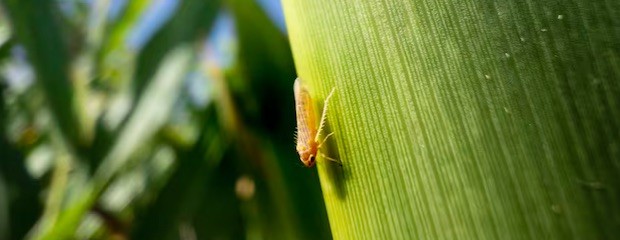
x=306, y=118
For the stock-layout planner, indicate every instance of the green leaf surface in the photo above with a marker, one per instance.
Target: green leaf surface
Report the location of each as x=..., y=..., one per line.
x=121, y=27
x=114, y=54
x=466, y=119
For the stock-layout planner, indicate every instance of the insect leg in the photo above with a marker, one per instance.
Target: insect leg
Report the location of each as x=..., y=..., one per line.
x=324, y=115
x=324, y=140
x=330, y=159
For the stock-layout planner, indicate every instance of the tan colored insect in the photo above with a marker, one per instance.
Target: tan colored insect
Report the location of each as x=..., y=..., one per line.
x=308, y=144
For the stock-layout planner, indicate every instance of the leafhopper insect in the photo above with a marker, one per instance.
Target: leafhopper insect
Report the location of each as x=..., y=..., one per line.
x=308, y=144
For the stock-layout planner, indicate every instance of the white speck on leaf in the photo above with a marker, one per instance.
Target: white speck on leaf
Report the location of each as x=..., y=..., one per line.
x=556, y=208
x=507, y=110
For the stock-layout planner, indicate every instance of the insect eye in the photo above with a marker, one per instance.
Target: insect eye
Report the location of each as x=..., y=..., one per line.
x=311, y=158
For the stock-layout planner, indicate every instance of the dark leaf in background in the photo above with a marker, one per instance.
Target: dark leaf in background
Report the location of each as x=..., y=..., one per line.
x=198, y=195
x=177, y=203
x=266, y=67
x=37, y=29
x=21, y=190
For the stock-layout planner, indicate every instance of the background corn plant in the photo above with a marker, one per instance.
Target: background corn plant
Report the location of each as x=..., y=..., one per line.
x=126, y=133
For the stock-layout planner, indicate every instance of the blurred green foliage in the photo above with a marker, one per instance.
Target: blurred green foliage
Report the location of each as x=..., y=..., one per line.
x=108, y=141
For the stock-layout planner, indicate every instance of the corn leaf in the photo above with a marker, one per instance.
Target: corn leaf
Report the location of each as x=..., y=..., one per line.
x=466, y=119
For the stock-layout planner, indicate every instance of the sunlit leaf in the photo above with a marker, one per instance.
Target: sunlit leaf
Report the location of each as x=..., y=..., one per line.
x=466, y=119
x=152, y=112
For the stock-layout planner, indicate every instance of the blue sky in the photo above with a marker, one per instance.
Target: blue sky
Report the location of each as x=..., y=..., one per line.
x=161, y=10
